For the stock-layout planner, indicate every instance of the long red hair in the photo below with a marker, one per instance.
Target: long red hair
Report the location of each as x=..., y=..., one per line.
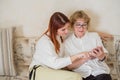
x=57, y=20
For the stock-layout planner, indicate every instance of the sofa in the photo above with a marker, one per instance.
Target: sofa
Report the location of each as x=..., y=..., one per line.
x=21, y=49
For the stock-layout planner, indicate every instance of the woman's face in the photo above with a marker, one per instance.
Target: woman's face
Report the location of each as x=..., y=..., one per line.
x=64, y=30
x=80, y=27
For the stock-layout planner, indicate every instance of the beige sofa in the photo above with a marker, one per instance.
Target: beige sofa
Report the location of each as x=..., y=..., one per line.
x=22, y=50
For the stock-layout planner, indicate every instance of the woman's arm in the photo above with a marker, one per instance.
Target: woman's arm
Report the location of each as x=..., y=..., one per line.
x=78, y=62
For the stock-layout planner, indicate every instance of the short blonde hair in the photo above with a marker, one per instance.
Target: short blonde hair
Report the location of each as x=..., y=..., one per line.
x=79, y=15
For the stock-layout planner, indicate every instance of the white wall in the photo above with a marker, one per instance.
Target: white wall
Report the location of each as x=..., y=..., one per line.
x=32, y=16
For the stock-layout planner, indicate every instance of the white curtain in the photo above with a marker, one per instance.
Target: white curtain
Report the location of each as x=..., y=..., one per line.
x=6, y=52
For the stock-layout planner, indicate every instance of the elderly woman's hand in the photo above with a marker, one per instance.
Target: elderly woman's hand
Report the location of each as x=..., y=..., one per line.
x=98, y=53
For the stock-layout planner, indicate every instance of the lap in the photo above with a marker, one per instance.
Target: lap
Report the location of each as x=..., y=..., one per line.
x=99, y=77
x=103, y=77
x=44, y=73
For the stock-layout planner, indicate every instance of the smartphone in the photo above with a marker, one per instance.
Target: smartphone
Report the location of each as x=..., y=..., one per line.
x=94, y=51
x=97, y=50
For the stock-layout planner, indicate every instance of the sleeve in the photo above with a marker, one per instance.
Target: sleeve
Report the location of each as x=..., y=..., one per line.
x=99, y=43
x=48, y=57
x=66, y=50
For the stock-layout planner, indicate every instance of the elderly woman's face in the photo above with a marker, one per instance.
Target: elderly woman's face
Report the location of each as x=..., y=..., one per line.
x=80, y=27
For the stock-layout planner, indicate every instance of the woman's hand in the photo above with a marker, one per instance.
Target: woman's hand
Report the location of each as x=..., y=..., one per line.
x=81, y=59
x=84, y=57
x=98, y=53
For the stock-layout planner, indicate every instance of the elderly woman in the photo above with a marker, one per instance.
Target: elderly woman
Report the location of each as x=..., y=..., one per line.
x=91, y=65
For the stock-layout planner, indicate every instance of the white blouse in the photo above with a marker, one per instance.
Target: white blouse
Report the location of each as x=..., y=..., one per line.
x=46, y=55
x=89, y=41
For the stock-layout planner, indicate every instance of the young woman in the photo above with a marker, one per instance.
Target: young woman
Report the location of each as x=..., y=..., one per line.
x=50, y=47
x=90, y=67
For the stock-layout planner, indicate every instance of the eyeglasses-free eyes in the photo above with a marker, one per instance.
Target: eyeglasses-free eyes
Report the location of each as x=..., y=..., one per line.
x=84, y=25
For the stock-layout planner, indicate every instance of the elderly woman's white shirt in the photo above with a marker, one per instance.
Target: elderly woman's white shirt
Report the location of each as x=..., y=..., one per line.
x=46, y=55
x=89, y=41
